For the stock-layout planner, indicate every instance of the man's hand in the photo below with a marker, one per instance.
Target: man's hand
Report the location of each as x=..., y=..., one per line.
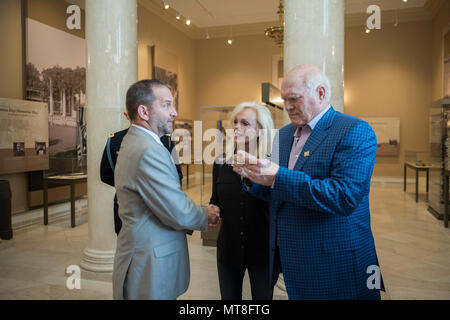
x=213, y=216
x=260, y=171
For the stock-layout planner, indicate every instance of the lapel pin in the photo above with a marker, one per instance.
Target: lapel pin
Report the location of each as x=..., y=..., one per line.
x=306, y=154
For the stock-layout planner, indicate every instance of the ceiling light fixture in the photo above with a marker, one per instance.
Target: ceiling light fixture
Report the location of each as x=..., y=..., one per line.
x=367, y=30
x=277, y=32
x=166, y=5
x=188, y=22
x=178, y=16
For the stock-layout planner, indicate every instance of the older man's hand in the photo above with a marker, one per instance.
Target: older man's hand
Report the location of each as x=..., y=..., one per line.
x=260, y=171
x=213, y=213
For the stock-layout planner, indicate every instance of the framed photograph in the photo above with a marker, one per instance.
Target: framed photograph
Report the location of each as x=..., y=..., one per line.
x=41, y=148
x=387, y=131
x=19, y=149
x=165, y=67
x=23, y=124
x=56, y=75
x=172, y=79
x=160, y=64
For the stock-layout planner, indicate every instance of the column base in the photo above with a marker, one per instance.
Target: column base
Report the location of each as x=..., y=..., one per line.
x=97, y=261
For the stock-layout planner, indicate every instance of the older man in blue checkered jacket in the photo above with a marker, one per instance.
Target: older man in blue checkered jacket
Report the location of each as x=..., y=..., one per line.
x=318, y=183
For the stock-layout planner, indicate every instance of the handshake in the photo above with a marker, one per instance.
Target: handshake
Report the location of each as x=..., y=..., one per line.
x=213, y=216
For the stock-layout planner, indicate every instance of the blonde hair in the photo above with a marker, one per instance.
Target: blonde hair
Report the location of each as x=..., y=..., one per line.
x=264, y=119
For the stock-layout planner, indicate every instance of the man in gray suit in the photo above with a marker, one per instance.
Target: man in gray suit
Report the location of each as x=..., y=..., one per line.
x=152, y=259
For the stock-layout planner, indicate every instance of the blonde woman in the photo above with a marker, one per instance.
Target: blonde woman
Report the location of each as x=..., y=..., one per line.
x=243, y=241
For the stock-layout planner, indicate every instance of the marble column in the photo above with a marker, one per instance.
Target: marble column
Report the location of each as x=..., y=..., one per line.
x=314, y=34
x=111, y=45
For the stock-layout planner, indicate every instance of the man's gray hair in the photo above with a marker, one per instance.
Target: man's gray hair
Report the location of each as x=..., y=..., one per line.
x=315, y=79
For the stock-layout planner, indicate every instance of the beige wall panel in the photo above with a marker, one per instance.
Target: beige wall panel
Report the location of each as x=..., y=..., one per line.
x=152, y=30
x=228, y=75
x=440, y=23
x=388, y=74
x=11, y=49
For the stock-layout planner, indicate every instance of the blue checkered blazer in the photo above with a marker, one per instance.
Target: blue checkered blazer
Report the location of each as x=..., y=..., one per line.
x=319, y=211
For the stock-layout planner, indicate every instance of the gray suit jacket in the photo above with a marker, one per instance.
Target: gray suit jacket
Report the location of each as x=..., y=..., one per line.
x=152, y=259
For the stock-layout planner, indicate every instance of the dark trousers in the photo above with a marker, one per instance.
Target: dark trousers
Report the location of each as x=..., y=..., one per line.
x=230, y=282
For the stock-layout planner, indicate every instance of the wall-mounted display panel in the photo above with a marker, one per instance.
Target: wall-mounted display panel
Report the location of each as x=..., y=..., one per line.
x=23, y=136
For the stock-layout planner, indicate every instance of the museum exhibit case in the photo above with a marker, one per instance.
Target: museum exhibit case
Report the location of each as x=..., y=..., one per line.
x=439, y=155
x=74, y=167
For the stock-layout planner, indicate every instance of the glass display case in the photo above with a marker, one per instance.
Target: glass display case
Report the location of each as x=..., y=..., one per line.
x=66, y=166
x=439, y=154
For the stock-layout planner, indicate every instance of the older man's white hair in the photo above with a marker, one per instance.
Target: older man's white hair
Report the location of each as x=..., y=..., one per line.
x=316, y=78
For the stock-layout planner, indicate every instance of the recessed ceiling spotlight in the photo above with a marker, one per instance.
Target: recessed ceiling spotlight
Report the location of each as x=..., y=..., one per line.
x=367, y=30
x=178, y=16
x=188, y=22
x=405, y=1
x=166, y=5
x=230, y=41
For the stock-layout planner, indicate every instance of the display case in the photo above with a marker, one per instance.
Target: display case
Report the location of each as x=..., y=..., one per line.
x=66, y=166
x=59, y=166
x=439, y=155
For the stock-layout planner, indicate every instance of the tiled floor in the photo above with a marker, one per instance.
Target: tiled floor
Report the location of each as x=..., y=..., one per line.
x=413, y=248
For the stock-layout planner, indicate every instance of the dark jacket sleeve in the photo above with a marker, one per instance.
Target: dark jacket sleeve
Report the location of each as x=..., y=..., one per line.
x=106, y=172
x=214, y=196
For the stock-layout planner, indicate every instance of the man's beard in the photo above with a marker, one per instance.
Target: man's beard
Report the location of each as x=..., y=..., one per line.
x=159, y=125
x=163, y=128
